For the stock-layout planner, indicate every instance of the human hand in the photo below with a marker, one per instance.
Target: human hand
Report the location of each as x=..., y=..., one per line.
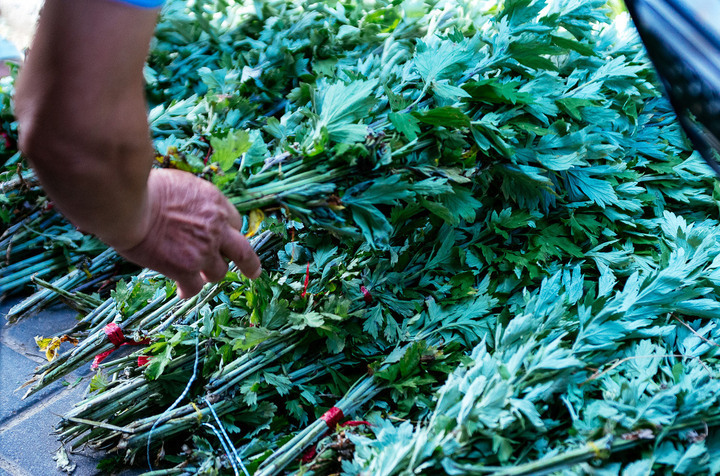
x=191, y=229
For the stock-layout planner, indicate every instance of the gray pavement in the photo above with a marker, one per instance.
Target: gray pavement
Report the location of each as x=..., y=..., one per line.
x=27, y=442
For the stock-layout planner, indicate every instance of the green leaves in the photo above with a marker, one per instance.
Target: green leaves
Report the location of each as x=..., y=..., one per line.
x=363, y=199
x=406, y=124
x=229, y=149
x=446, y=116
x=443, y=59
x=497, y=185
x=341, y=106
x=158, y=363
x=131, y=297
x=494, y=91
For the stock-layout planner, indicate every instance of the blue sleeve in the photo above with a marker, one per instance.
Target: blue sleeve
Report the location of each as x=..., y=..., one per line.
x=143, y=3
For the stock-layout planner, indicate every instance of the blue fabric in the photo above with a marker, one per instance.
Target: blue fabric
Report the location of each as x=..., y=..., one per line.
x=143, y=3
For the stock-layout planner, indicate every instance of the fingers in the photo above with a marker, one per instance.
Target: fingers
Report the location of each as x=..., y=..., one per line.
x=215, y=270
x=236, y=247
x=189, y=285
x=234, y=217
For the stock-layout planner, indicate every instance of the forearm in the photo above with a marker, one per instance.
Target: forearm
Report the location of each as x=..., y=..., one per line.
x=83, y=125
x=80, y=104
x=96, y=179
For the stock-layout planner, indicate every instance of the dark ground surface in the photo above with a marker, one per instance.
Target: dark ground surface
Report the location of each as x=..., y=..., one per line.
x=27, y=442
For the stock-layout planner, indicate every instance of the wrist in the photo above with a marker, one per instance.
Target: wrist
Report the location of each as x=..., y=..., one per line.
x=133, y=227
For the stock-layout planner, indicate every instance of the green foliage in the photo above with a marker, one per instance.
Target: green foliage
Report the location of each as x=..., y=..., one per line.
x=488, y=207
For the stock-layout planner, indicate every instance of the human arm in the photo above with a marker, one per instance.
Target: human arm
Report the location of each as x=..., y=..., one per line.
x=83, y=126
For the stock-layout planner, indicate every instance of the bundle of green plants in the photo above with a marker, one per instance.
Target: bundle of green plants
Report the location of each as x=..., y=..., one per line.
x=487, y=249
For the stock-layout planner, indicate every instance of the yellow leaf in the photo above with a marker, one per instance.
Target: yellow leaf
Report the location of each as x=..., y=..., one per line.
x=256, y=218
x=335, y=203
x=43, y=342
x=292, y=255
x=51, y=345
x=197, y=410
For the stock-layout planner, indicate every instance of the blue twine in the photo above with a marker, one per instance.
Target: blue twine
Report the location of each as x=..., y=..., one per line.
x=225, y=448
x=227, y=438
x=177, y=401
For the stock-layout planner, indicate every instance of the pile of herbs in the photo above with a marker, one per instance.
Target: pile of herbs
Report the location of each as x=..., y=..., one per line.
x=482, y=232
